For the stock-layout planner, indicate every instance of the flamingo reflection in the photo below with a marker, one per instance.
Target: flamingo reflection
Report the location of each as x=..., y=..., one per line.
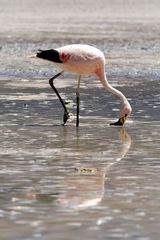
x=84, y=186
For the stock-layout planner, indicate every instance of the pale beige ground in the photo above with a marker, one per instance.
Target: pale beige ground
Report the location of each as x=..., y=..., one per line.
x=110, y=19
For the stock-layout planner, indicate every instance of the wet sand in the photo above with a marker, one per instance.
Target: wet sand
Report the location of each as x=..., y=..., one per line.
x=97, y=181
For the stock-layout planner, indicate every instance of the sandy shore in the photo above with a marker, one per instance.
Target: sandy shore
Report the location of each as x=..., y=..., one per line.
x=114, y=20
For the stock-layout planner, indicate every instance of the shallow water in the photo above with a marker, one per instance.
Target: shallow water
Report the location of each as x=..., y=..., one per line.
x=95, y=182
x=92, y=182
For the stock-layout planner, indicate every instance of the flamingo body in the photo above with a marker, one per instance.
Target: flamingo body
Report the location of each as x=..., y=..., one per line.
x=84, y=59
x=81, y=59
x=77, y=58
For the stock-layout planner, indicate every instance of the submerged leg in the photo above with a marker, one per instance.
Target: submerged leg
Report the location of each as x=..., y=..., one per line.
x=78, y=100
x=66, y=113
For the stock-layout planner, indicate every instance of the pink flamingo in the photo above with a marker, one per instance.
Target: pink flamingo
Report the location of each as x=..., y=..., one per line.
x=83, y=59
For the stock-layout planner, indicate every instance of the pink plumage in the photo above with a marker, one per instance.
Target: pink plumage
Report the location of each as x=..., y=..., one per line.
x=83, y=59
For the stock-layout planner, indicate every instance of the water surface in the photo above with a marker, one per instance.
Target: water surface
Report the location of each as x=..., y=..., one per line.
x=95, y=181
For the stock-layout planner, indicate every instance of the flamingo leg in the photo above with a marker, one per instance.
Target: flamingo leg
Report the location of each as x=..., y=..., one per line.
x=78, y=100
x=66, y=113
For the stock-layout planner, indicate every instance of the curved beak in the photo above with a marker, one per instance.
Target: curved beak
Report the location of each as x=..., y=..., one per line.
x=120, y=121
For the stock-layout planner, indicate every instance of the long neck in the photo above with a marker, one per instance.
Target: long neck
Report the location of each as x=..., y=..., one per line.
x=111, y=89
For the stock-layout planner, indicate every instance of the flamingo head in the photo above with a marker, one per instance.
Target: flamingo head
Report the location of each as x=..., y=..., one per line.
x=124, y=114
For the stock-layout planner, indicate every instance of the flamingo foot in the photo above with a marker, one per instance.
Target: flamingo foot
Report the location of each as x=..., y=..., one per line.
x=65, y=117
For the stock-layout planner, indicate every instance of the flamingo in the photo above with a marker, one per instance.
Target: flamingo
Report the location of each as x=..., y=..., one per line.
x=83, y=59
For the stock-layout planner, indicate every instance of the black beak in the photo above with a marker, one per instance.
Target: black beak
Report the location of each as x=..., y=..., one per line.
x=120, y=122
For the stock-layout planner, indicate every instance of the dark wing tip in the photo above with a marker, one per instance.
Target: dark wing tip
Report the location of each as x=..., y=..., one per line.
x=51, y=55
x=40, y=53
